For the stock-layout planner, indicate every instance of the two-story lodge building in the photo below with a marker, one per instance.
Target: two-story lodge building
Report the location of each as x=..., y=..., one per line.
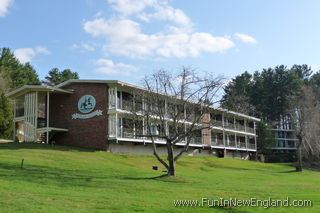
x=93, y=113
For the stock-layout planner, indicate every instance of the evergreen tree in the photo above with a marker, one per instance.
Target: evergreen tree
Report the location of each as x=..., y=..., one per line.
x=237, y=93
x=266, y=139
x=6, y=117
x=56, y=77
x=14, y=73
x=267, y=94
x=315, y=82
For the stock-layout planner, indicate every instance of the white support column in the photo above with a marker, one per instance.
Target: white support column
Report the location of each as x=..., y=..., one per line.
x=36, y=116
x=116, y=98
x=222, y=120
x=255, y=139
x=255, y=135
x=246, y=141
x=185, y=130
x=26, y=117
x=165, y=108
x=167, y=128
x=143, y=127
x=116, y=124
x=245, y=125
x=143, y=106
x=134, y=129
x=223, y=132
x=48, y=116
x=32, y=115
x=14, y=117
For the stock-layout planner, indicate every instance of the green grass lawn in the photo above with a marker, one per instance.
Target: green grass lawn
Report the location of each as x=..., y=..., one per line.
x=66, y=179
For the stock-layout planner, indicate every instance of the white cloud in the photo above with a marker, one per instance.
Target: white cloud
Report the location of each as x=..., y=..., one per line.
x=108, y=67
x=245, y=38
x=112, y=28
x=128, y=7
x=4, y=5
x=42, y=50
x=124, y=37
x=26, y=54
x=158, y=9
x=315, y=67
x=168, y=13
x=98, y=14
x=84, y=47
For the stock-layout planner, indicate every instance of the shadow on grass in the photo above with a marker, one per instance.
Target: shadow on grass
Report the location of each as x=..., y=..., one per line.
x=52, y=175
x=162, y=178
x=145, y=178
x=213, y=165
x=290, y=171
x=30, y=145
x=64, y=177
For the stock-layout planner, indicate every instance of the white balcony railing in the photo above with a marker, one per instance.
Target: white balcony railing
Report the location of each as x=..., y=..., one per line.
x=251, y=146
x=196, y=140
x=218, y=142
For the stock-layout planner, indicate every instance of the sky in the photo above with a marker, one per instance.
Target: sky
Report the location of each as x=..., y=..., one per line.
x=128, y=39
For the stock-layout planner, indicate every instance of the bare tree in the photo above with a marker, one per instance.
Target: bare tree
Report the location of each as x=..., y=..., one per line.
x=306, y=115
x=174, y=110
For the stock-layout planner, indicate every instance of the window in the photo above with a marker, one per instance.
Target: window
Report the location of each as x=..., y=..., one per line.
x=112, y=126
x=112, y=98
x=20, y=106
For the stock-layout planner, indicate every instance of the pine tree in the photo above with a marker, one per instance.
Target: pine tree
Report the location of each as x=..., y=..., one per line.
x=6, y=117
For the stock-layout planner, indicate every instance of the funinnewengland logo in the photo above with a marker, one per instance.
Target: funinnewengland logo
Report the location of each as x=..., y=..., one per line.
x=252, y=202
x=86, y=104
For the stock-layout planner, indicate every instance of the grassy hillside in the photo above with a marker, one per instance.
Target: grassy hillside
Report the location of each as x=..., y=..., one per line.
x=64, y=179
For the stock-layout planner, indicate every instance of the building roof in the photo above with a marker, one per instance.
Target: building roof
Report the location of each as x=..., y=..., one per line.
x=57, y=89
x=139, y=87
x=35, y=88
x=98, y=82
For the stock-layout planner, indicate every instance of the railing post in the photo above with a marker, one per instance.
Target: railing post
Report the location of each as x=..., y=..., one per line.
x=14, y=123
x=116, y=98
x=134, y=129
x=255, y=135
x=245, y=125
x=36, y=115
x=246, y=141
x=48, y=116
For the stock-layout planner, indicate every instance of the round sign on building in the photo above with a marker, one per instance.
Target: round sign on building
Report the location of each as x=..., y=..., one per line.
x=86, y=103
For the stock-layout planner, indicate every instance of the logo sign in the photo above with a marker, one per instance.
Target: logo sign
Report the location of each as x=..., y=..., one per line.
x=86, y=103
x=86, y=116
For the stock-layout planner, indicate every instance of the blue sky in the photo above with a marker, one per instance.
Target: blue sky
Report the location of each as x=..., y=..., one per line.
x=127, y=39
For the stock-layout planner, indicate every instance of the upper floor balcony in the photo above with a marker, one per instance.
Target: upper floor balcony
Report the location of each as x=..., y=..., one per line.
x=286, y=144
x=228, y=122
x=31, y=111
x=126, y=102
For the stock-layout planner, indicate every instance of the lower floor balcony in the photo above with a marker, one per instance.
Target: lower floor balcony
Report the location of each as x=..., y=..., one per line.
x=128, y=135
x=126, y=129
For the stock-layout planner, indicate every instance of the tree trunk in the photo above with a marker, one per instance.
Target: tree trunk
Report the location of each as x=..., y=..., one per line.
x=299, y=162
x=172, y=168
